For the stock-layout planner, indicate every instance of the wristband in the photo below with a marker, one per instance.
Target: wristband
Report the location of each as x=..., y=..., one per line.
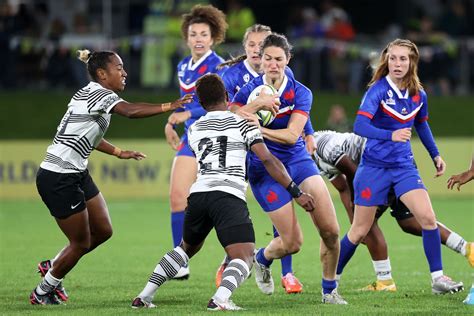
x=117, y=152
x=166, y=107
x=294, y=190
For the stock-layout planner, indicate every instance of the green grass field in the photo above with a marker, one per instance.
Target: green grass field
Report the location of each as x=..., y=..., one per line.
x=105, y=281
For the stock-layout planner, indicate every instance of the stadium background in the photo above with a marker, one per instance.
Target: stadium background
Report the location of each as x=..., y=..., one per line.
x=334, y=43
x=39, y=74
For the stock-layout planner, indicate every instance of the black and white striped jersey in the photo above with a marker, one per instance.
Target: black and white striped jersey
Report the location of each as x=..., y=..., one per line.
x=332, y=146
x=221, y=140
x=81, y=129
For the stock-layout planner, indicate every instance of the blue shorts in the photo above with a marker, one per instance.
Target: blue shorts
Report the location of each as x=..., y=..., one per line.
x=372, y=184
x=183, y=148
x=269, y=193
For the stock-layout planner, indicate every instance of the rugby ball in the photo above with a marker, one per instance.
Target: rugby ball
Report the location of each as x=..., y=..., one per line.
x=265, y=117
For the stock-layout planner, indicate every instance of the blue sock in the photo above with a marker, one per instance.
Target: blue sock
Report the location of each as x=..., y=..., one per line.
x=328, y=286
x=432, y=246
x=347, y=251
x=177, y=221
x=261, y=258
x=286, y=261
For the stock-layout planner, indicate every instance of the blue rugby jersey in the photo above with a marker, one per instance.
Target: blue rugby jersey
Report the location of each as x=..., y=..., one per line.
x=238, y=75
x=189, y=73
x=294, y=97
x=390, y=109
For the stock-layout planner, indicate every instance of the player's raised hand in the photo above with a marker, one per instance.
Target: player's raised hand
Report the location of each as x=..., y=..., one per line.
x=188, y=98
x=131, y=154
x=306, y=201
x=440, y=166
x=401, y=135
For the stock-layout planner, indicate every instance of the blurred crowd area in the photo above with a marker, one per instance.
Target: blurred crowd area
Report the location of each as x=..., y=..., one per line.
x=334, y=42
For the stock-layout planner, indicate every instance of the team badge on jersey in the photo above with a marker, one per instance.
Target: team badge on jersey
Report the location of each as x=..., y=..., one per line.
x=246, y=78
x=390, y=99
x=182, y=70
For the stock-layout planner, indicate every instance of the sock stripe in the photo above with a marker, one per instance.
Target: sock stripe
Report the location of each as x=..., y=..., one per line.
x=168, y=268
x=176, y=257
x=231, y=272
x=157, y=279
x=228, y=285
x=240, y=267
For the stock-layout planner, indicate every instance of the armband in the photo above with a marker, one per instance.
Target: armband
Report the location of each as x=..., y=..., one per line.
x=294, y=190
x=117, y=152
x=166, y=107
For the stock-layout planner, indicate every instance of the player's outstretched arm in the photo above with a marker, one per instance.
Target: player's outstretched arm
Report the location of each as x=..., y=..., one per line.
x=140, y=109
x=462, y=178
x=278, y=172
x=108, y=148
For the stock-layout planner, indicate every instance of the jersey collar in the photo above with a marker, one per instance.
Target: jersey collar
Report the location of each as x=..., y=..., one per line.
x=395, y=88
x=250, y=69
x=283, y=84
x=192, y=66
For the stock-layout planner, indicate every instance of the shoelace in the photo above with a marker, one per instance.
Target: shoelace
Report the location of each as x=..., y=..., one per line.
x=266, y=274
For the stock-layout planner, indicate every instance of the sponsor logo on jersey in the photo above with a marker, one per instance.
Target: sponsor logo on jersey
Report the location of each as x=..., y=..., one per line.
x=404, y=111
x=246, y=78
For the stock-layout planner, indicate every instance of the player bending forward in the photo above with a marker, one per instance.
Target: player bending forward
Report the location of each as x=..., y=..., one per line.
x=220, y=140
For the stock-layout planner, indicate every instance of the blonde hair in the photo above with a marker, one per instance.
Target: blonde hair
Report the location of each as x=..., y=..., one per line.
x=256, y=28
x=411, y=80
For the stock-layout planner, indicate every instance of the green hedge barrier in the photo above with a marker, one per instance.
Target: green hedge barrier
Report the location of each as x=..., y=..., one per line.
x=35, y=115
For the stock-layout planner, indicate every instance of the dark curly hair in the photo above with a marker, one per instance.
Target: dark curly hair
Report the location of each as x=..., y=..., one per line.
x=209, y=15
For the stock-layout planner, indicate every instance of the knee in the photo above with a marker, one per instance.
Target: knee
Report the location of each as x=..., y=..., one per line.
x=178, y=198
x=105, y=234
x=80, y=247
x=294, y=245
x=357, y=234
x=330, y=238
x=428, y=221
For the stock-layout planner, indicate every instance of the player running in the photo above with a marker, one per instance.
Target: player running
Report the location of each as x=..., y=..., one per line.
x=220, y=140
x=63, y=180
x=241, y=70
x=202, y=28
x=393, y=104
x=283, y=138
x=337, y=157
